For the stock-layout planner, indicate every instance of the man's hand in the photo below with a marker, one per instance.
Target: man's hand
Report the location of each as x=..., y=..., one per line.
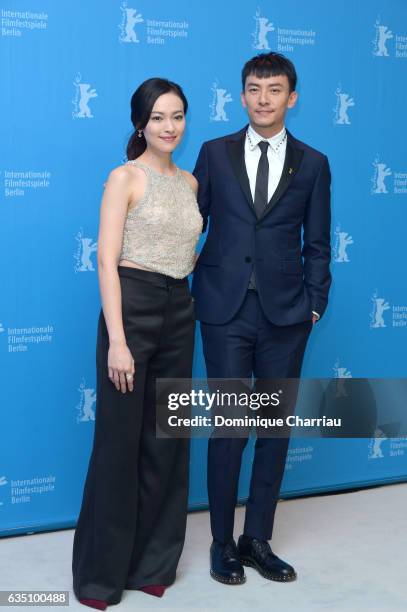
x=315, y=318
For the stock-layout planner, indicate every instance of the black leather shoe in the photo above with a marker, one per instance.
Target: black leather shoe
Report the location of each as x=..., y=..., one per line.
x=258, y=554
x=225, y=563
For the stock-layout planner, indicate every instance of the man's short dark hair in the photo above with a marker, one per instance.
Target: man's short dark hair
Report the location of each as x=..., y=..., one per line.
x=270, y=64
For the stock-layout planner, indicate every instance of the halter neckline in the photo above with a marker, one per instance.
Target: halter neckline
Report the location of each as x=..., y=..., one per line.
x=136, y=161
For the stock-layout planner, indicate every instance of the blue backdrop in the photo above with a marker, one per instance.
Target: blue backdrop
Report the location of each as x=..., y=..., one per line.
x=68, y=72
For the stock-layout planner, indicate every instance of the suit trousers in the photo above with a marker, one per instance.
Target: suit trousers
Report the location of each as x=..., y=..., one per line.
x=131, y=527
x=249, y=345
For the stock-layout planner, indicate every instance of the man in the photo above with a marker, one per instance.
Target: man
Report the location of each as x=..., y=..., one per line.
x=259, y=288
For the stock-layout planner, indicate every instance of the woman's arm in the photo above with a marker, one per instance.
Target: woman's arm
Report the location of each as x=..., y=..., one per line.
x=112, y=217
x=193, y=183
x=201, y=173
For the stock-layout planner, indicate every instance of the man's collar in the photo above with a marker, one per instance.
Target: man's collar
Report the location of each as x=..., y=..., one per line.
x=253, y=138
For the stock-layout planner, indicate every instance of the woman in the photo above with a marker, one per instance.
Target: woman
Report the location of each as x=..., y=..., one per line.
x=131, y=527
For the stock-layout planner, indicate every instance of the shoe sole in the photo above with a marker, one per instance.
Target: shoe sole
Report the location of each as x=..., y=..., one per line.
x=276, y=577
x=231, y=581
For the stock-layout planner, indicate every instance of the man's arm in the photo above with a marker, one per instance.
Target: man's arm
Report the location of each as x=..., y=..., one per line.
x=201, y=173
x=317, y=240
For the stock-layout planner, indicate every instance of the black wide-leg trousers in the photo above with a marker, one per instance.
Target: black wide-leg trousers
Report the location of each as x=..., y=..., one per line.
x=131, y=527
x=249, y=345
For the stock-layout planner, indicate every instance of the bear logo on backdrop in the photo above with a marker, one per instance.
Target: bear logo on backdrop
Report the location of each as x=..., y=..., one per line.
x=130, y=18
x=382, y=35
x=153, y=31
x=220, y=97
x=380, y=173
x=343, y=102
x=341, y=373
x=82, y=256
x=386, y=43
x=376, y=443
x=377, y=314
x=380, y=179
x=284, y=40
x=82, y=97
x=341, y=243
x=262, y=29
x=395, y=446
x=87, y=400
x=3, y=482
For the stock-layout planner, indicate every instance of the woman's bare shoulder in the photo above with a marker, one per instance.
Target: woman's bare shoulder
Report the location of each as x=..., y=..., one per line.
x=125, y=173
x=191, y=180
x=125, y=176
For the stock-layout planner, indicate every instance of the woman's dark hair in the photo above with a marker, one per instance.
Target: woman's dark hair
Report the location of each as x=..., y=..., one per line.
x=270, y=64
x=142, y=103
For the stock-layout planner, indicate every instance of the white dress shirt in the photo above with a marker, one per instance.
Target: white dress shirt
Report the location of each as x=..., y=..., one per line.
x=276, y=156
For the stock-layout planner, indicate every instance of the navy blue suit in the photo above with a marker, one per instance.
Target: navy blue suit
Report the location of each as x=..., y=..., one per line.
x=264, y=332
x=292, y=279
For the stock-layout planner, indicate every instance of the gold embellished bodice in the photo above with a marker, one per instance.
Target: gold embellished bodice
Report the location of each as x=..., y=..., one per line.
x=161, y=231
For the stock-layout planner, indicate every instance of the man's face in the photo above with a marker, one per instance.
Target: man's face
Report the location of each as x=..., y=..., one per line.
x=267, y=100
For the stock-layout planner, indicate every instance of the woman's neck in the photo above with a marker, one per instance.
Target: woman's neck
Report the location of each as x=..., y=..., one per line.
x=162, y=162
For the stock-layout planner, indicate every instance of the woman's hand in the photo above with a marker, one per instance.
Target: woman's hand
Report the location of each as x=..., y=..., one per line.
x=120, y=364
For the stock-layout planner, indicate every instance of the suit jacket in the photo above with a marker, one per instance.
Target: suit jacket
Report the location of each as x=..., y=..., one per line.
x=288, y=245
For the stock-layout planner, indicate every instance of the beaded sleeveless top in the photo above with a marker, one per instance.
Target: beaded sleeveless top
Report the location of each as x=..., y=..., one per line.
x=161, y=231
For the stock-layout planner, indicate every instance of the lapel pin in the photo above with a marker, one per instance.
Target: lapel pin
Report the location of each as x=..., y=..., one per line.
x=290, y=170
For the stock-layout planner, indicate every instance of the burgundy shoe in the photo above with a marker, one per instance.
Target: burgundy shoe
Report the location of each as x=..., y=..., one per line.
x=99, y=604
x=153, y=589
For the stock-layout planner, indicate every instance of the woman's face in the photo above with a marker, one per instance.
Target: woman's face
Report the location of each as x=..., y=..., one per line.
x=166, y=125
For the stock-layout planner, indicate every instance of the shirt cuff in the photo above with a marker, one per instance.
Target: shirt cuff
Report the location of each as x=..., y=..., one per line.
x=316, y=314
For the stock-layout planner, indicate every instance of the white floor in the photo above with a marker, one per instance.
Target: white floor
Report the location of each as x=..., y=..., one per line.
x=349, y=549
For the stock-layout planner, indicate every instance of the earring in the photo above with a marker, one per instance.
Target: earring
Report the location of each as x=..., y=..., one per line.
x=140, y=133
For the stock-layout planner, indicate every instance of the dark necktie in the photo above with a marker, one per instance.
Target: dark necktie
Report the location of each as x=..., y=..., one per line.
x=262, y=179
